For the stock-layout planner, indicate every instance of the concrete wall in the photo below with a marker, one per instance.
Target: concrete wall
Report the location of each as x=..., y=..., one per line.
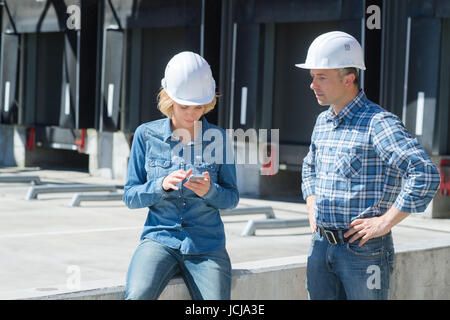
x=421, y=272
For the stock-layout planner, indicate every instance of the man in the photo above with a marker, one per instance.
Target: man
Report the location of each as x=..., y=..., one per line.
x=352, y=178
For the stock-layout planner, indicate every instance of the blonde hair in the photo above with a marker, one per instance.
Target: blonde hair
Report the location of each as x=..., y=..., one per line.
x=165, y=103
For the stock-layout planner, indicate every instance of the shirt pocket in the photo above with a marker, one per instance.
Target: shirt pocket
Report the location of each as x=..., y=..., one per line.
x=157, y=168
x=348, y=163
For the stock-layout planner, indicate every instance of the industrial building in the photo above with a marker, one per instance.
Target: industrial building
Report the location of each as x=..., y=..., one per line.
x=78, y=77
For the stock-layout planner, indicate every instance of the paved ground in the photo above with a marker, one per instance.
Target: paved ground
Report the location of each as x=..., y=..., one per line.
x=41, y=239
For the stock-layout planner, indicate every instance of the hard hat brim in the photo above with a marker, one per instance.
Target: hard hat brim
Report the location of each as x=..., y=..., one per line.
x=305, y=66
x=301, y=65
x=192, y=102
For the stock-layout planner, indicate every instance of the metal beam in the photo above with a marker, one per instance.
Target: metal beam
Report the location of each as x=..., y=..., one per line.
x=20, y=179
x=253, y=225
x=34, y=191
x=101, y=196
x=268, y=211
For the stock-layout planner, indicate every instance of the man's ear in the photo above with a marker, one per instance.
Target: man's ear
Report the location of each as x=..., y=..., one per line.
x=349, y=79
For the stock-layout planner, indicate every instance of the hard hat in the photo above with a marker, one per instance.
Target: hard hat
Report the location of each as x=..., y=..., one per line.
x=188, y=79
x=334, y=50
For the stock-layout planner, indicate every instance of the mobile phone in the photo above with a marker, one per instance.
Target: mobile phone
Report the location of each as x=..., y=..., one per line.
x=196, y=177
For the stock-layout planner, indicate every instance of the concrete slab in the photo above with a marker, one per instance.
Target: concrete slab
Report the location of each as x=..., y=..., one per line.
x=40, y=240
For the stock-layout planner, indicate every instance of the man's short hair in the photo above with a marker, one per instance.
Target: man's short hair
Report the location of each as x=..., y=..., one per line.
x=345, y=71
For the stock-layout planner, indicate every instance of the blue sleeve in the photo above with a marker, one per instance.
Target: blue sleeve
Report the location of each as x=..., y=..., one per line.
x=138, y=192
x=224, y=194
x=399, y=150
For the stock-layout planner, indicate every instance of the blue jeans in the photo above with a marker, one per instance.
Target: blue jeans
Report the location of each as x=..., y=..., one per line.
x=207, y=276
x=346, y=271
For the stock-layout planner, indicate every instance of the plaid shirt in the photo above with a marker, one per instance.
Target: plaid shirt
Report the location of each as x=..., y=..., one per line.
x=356, y=162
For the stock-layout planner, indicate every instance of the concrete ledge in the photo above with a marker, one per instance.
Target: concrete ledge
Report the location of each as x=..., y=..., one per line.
x=421, y=272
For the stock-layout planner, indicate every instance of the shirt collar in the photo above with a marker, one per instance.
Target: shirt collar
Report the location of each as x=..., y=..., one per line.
x=350, y=109
x=168, y=133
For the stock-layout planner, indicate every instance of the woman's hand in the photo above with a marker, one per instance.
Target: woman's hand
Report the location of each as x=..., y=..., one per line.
x=200, y=187
x=174, y=178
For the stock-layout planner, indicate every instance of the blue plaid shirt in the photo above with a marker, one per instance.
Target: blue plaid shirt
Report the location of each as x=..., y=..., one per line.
x=356, y=162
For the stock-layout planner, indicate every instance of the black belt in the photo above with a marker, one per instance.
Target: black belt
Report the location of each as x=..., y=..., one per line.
x=333, y=236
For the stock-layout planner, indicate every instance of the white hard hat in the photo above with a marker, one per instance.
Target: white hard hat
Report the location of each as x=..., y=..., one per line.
x=188, y=79
x=334, y=50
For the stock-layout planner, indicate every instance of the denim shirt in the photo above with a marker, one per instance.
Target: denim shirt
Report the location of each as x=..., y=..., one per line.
x=179, y=218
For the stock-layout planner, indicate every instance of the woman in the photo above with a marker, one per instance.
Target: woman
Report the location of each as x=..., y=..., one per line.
x=183, y=232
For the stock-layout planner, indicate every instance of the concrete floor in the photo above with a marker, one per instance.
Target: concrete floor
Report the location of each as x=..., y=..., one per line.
x=41, y=239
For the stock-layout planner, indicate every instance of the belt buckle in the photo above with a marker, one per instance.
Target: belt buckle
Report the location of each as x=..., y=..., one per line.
x=334, y=242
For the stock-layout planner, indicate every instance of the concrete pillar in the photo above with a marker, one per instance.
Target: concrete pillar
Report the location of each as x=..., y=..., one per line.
x=247, y=173
x=251, y=181
x=12, y=145
x=439, y=207
x=108, y=154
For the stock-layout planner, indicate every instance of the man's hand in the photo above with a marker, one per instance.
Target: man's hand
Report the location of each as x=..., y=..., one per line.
x=374, y=227
x=174, y=178
x=200, y=187
x=310, y=204
x=367, y=229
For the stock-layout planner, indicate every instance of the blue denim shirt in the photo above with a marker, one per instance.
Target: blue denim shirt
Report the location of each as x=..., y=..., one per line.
x=179, y=218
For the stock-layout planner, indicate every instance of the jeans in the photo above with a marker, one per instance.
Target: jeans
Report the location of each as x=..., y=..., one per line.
x=207, y=276
x=346, y=271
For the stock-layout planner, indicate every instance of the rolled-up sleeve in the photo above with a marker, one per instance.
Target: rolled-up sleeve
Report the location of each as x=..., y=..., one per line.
x=138, y=192
x=399, y=150
x=224, y=194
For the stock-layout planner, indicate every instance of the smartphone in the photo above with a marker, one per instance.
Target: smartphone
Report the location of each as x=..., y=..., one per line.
x=196, y=177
